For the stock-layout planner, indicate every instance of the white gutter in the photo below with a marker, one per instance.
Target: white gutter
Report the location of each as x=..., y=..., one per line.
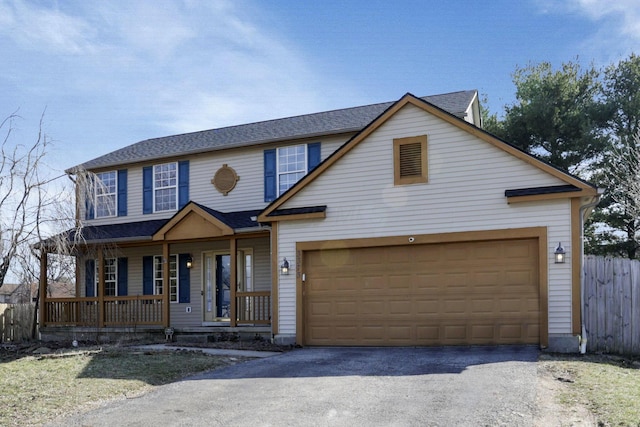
x=583, y=330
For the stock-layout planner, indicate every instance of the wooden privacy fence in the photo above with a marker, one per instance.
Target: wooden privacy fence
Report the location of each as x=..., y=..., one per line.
x=612, y=305
x=15, y=322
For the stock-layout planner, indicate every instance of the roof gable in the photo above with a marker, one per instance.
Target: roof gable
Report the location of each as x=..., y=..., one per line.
x=583, y=188
x=192, y=222
x=196, y=221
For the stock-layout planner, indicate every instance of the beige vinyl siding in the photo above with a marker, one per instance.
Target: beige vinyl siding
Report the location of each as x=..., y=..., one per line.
x=465, y=192
x=247, y=195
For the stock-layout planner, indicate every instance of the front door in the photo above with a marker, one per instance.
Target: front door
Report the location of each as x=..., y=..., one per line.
x=216, y=293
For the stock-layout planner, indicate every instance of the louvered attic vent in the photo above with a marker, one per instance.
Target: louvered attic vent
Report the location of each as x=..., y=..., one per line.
x=410, y=160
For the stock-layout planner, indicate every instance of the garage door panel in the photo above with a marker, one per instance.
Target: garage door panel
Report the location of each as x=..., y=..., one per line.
x=373, y=282
x=345, y=307
x=483, y=306
x=444, y=294
x=426, y=306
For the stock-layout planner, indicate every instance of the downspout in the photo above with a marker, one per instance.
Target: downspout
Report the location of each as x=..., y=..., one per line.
x=583, y=333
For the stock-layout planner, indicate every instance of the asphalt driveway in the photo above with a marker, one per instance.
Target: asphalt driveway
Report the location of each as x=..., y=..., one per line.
x=455, y=386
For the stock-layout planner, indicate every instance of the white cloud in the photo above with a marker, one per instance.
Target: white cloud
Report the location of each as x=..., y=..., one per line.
x=119, y=71
x=625, y=14
x=201, y=65
x=45, y=29
x=611, y=27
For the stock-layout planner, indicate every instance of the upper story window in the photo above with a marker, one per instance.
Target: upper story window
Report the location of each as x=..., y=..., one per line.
x=107, y=197
x=285, y=166
x=292, y=165
x=106, y=185
x=165, y=186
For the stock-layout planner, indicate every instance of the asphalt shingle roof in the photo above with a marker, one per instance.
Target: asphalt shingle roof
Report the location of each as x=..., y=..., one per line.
x=126, y=231
x=143, y=230
x=298, y=211
x=235, y=220
x=308, y=125
x=534, y=191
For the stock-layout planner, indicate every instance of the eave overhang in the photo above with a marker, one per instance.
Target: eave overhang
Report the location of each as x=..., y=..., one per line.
x=311, y=212
x=553, y=192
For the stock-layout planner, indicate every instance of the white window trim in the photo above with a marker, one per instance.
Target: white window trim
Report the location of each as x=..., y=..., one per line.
x=278, y=173
x=98, y=182
x=155, y=188
x=251, y=277
x=97, y=276
x=157, y=258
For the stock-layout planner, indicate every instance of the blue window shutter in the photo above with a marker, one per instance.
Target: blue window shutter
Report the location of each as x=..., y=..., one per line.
x=122, y=192
x=123, y=276
x=90, y=278
x=88, y=201
x=183, y=183
x=184, y=279
x=147, y=275
x=313, y=155
x=147, y=190
x=270, y=178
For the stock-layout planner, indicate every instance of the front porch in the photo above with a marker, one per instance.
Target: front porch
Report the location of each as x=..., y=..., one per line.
x=247, y=308
x=198, y=269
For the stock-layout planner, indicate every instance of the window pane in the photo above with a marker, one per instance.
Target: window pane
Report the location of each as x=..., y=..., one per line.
x=165, y=199
x=105, y=194
x=110, y=276
x=292, y=165
x=287, y=180
x=173, y=276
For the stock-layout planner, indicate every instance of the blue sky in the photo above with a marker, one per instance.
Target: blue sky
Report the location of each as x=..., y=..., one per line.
x=111, y=73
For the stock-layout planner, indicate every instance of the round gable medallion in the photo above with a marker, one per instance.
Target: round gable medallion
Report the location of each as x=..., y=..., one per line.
x=225, y=179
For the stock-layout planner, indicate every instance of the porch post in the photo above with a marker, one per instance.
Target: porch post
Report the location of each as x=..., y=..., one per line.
x=233, y=252
x=166, y=292
x=100, y=287
x=43, y=286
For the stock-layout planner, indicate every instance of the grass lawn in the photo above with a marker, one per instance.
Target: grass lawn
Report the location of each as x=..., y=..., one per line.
x=36, y=389
x=608, y=386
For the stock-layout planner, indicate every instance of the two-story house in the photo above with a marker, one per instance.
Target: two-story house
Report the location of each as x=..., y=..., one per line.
x=400, y=223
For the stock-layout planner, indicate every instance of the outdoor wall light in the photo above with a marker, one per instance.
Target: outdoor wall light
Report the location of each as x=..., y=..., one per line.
x=284, y=268
x=560, y=254
x=189, y=262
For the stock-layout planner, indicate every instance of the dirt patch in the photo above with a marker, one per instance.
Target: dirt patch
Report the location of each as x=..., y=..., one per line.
x=553, y=406
x=13, y=351
x=253, y=345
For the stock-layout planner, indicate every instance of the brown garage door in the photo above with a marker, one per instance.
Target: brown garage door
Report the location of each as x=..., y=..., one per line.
x=438, y=294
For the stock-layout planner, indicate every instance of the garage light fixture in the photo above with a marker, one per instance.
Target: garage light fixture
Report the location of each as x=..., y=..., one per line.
x=560, y=254
x=284, y=268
